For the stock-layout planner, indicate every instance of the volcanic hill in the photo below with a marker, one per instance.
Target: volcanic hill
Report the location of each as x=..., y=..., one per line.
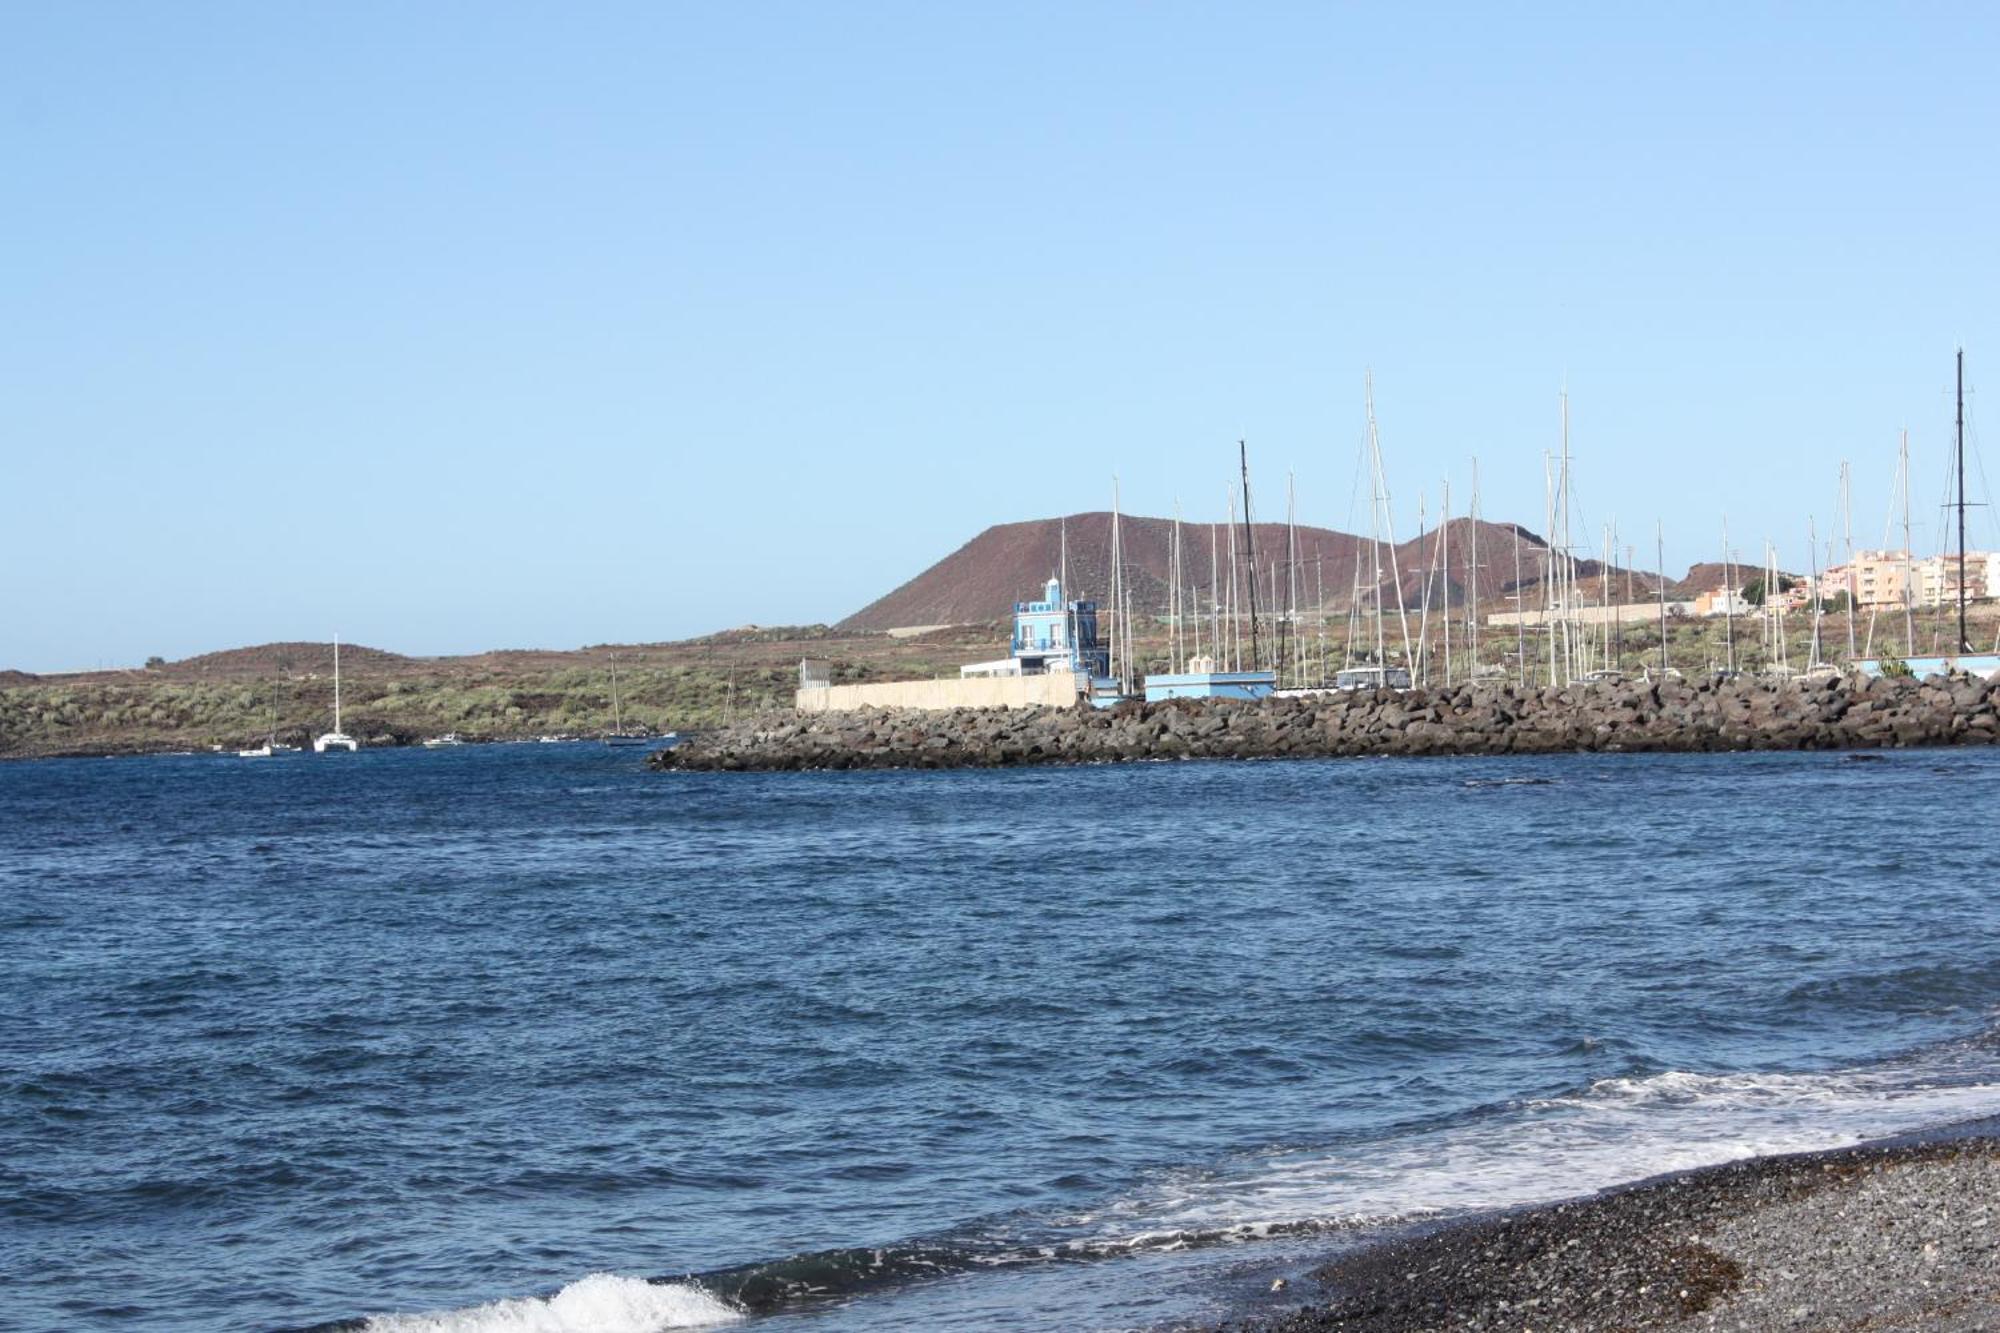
x=1009, y=562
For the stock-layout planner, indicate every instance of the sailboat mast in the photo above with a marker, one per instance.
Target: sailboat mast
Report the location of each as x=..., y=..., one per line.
x=1375, y=567
x=1572, y=627
x=1068, y=598
x=1214, y=596
x=1728, y=600
x=336, y=685
x=1847, y=534
x=1174, y=592
x=1444, y=587
x=1520, y=616
x=1231, y=617
x=1121, y=645
x=1660, y=554
x=1551, y=593
x=1812, y=559
x=1194, y=599
x=1249, y=550
x=1964, y=644
x=1604, y=596
x=1387, y=529
x=617, y=710
x=1472, y=582
x=1292, y=575
x=1319, y=604
x=1909, y=552
x=1424, y=590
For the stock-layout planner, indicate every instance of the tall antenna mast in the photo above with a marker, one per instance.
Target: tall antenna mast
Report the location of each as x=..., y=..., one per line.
x=1249, y=550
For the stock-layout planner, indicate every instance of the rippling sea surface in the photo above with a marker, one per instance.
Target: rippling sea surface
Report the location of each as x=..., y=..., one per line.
x=529, y=1038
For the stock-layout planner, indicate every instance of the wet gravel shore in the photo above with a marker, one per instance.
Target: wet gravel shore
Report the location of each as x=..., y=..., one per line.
x=1898, y=1237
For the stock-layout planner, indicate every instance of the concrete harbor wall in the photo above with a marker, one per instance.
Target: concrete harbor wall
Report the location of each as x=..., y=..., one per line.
x=1741, y=714
x=1053, y=690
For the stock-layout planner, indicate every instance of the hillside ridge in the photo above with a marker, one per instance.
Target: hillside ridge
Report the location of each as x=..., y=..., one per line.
x=1008, y=562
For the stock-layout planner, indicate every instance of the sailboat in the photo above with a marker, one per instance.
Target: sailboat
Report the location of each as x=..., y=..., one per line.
x=618, y=734
x=336, y=739
x=272, y=745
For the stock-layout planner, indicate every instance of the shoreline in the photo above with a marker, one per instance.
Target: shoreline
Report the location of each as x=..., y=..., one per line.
x=1901, y=1233
x=162, y=750
x=1657, y=717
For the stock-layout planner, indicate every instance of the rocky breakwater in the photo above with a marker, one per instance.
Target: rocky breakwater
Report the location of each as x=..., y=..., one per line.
x=1740, y=714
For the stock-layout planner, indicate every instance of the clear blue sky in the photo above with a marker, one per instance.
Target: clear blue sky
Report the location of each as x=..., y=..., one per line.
x=463, y=326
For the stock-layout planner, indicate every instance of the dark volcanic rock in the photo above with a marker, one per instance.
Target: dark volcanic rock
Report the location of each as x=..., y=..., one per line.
x=1669, y=716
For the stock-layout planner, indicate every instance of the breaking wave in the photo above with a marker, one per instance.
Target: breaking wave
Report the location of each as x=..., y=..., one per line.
x=600, y=1303
x=1532, y=1150
x=1527, y=1151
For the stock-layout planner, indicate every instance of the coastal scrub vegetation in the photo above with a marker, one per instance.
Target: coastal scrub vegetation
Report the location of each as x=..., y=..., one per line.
x=238, y=698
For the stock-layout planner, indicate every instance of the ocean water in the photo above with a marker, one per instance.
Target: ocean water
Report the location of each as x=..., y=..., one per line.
x=528, y=1038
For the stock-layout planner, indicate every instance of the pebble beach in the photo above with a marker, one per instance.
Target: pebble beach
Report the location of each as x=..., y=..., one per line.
x=1900, y=1236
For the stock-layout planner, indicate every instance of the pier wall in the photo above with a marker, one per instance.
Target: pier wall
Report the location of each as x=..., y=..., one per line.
x=1486, y=719
x=1054, y=690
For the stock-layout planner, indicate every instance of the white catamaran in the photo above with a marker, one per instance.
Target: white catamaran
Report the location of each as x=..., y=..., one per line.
x=336, y=739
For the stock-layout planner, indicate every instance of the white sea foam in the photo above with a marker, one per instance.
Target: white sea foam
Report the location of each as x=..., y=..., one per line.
x=1619, y=1130
x=600, y=1303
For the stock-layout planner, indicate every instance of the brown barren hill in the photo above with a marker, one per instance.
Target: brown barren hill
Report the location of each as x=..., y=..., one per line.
x=1711, y=575
x=981, y=580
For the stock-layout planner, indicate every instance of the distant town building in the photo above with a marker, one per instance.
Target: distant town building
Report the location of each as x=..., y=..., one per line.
x=1721, y=602
x=1937, y=577
x=1879, y=578
x=1797, y=597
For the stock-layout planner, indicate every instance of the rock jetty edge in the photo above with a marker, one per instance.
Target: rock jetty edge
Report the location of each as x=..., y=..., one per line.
x=1667, y=716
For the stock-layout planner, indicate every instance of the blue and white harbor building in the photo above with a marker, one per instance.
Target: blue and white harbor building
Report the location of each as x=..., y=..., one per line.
x=1202, y=681
x=1051, y=635
x=1058, y=634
